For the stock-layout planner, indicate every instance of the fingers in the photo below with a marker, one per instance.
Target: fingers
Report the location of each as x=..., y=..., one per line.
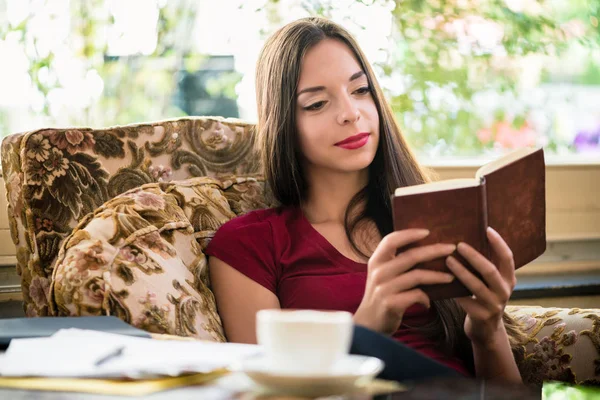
x=416, y=277
x=506, y=262
x=389, y=245
x=408, y=259
x=473, y=308
x=491, y=299
x=401, y=301
x=488, y=271
x=473, y=283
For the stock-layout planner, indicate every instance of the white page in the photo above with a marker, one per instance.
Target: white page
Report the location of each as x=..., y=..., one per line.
x=53, y=357
x=73, y=352
x=165, y=356
x=173, y=357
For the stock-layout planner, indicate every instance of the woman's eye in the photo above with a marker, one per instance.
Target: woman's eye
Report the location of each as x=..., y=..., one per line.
x=363, y=90
x=315, y=106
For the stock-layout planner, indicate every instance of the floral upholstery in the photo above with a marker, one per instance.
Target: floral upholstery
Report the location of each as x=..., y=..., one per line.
x=139, y=256
x=109, y=221
x=55, y=177
x=563, y=344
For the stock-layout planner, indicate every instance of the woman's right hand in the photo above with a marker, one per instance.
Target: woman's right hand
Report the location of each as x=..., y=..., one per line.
x=390, y=289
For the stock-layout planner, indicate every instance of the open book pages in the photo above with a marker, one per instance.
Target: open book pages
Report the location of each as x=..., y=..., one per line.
x=450, y=184
x=504, y=160
x=438, y=186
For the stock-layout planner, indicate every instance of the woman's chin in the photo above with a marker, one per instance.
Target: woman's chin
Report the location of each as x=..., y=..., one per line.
x=356, y=164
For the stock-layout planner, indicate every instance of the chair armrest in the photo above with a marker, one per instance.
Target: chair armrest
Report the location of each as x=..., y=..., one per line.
x=563, y=344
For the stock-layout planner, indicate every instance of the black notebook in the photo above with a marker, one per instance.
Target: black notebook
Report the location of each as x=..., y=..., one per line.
x=18, y=328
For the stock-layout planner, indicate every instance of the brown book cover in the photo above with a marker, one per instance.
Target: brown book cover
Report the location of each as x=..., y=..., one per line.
x=508, y=194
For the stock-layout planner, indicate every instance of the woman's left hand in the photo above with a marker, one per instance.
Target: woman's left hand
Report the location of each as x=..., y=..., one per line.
x=483, y=324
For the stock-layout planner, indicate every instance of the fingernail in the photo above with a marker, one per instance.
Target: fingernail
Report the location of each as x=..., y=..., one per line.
x=491, y=230
x=450, y=261
x=449, y=277
x=423, y=232
x=450, y=248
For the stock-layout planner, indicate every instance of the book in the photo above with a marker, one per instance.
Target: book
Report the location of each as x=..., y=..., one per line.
x=507, y=194
x=110, y=387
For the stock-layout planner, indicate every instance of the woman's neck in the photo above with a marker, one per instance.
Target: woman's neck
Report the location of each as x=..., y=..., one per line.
x=330, y=193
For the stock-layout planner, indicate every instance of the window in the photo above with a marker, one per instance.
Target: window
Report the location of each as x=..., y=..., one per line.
x=464, y=77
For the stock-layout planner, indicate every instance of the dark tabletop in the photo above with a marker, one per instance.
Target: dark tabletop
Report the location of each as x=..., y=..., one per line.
x=465, y=389
x=460, y=389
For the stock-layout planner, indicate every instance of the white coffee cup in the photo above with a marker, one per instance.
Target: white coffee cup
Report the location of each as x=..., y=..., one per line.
x=303, y=341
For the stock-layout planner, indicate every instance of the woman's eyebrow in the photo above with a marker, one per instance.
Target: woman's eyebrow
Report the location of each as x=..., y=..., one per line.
x=313, y=89
x=356, y=75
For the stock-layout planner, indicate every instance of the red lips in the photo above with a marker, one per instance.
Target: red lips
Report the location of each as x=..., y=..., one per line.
x=352, y=139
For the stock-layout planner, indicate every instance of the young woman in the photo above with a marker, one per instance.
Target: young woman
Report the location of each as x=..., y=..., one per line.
x=332, y=156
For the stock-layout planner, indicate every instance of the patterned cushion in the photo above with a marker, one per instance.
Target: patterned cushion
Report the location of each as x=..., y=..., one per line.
x=563, y=344
x=54, y=177
x=139, y=256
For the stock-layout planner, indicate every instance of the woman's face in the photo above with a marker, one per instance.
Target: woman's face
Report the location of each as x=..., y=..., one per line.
x=337, y=120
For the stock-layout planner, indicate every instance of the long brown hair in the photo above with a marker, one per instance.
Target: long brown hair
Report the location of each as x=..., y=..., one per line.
x=394, y=165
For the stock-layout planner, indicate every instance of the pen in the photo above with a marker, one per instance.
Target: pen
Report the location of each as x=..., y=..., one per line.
x=117, y=352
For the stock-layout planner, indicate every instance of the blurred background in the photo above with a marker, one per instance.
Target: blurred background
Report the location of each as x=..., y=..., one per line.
x=466, y=78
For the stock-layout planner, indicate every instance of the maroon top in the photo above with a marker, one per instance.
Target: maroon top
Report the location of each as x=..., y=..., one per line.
x=279, y=249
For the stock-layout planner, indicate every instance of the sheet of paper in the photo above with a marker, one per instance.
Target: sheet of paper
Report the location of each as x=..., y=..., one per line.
x=53, y=357
x=75, y=352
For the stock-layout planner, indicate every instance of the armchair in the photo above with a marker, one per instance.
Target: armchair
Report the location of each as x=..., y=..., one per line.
x=113, y=222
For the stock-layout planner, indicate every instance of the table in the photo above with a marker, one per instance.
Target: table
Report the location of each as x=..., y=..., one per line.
x=467, y=389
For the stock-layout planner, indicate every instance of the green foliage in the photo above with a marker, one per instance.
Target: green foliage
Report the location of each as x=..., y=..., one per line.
x=135, y=87
x=224, y=85
x=430, y=54
x=564, y=391
x=440, y=44
x=591, y=76
x=446, y=53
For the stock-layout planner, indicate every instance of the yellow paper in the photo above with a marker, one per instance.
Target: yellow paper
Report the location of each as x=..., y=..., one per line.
x=110, y=386
x=380, y=386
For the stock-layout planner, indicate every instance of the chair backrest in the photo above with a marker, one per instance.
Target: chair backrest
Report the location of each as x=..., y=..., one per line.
x=54, y=177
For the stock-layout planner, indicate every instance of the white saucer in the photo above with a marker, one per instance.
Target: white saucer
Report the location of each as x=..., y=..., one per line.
x=347, y=376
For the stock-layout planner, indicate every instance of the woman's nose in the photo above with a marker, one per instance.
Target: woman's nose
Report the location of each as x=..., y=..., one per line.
x=348, y=112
